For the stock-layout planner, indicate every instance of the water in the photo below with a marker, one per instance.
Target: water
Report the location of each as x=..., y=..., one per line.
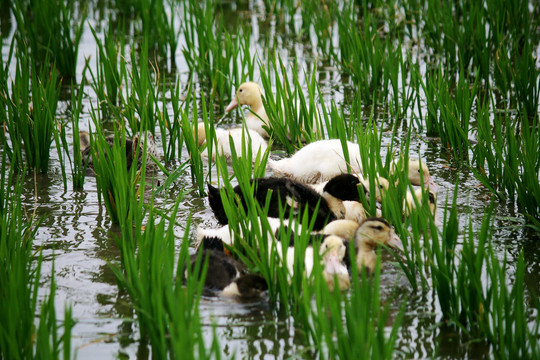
x=77, y=234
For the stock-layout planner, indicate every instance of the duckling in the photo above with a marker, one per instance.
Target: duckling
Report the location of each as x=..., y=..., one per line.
x=370, y=234
x=241, y=138
x=250, y=94
x=131, y=148
x=229, y=277
x=410, y=204
x=295, y=196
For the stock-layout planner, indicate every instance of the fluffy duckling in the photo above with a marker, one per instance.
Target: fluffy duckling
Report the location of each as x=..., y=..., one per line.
x=241, y=138
x=229, y=277
x=370, y=234
x=131, y=148
x=250, y=94
x=295, y=197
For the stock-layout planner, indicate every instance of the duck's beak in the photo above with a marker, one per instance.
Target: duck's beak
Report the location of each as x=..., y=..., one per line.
x=395, y=242
x=333, y=265
x=232, y=105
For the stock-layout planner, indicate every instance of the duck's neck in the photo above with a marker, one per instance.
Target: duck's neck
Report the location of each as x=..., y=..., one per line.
x=366, y=257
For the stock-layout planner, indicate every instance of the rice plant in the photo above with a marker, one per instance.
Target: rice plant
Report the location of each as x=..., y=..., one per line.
x=50, y=31
x=294, y=118
x=220, y=60
x=111, y=69
x=31, y=115
x=21, y=335
x=164, y=288
x=354, y=326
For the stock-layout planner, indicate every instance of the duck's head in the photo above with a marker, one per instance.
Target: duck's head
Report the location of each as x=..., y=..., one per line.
x=249, y=93
x=84, y=140
x=251, y=285
x=376, y=231
x=344, y=187
x=332, y=250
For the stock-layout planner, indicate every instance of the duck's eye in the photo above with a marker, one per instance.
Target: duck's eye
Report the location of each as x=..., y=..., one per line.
x=382, y=187
x=377, y=227
x=240, y=90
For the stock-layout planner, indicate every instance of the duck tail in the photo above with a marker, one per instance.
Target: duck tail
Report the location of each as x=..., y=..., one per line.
x=214, y=198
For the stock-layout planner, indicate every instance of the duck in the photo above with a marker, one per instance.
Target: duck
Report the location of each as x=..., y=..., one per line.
x=242, y=138
x=250, y=94
x=323, y=159
x=318, y=162
x=370, y=234
x=295, y=196
x=229, y=277
x=131, y=148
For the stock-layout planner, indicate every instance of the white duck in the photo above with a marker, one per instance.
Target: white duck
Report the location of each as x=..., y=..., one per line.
x=241, y=138
x=321, y=160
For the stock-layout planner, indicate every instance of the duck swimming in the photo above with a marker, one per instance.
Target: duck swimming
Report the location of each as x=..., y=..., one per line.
x=229, y=277
x=321, y=160
x=131, y=148
x=295, y=197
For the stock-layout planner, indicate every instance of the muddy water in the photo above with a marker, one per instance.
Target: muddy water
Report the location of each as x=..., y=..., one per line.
x=78, y=235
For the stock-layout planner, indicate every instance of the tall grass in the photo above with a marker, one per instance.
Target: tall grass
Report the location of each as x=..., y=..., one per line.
x=49, y=29
x=21, y=336
x=220, y=59
x=293, y=116
x=163, y=286
x=111, y=69
x=31, y=115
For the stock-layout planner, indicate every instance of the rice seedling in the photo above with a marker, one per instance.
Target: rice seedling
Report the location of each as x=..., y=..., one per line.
x=164, y=287
x=78, y=166
x=363, y=54
x=190, y=137
x=221, y=60
x=507, y=159
x=143, y=96
x=21, y=336
x=449, y=115
x=293, y=118
x=170, y=127
x=50, y=30
x=111, y=69
x=31, y=116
